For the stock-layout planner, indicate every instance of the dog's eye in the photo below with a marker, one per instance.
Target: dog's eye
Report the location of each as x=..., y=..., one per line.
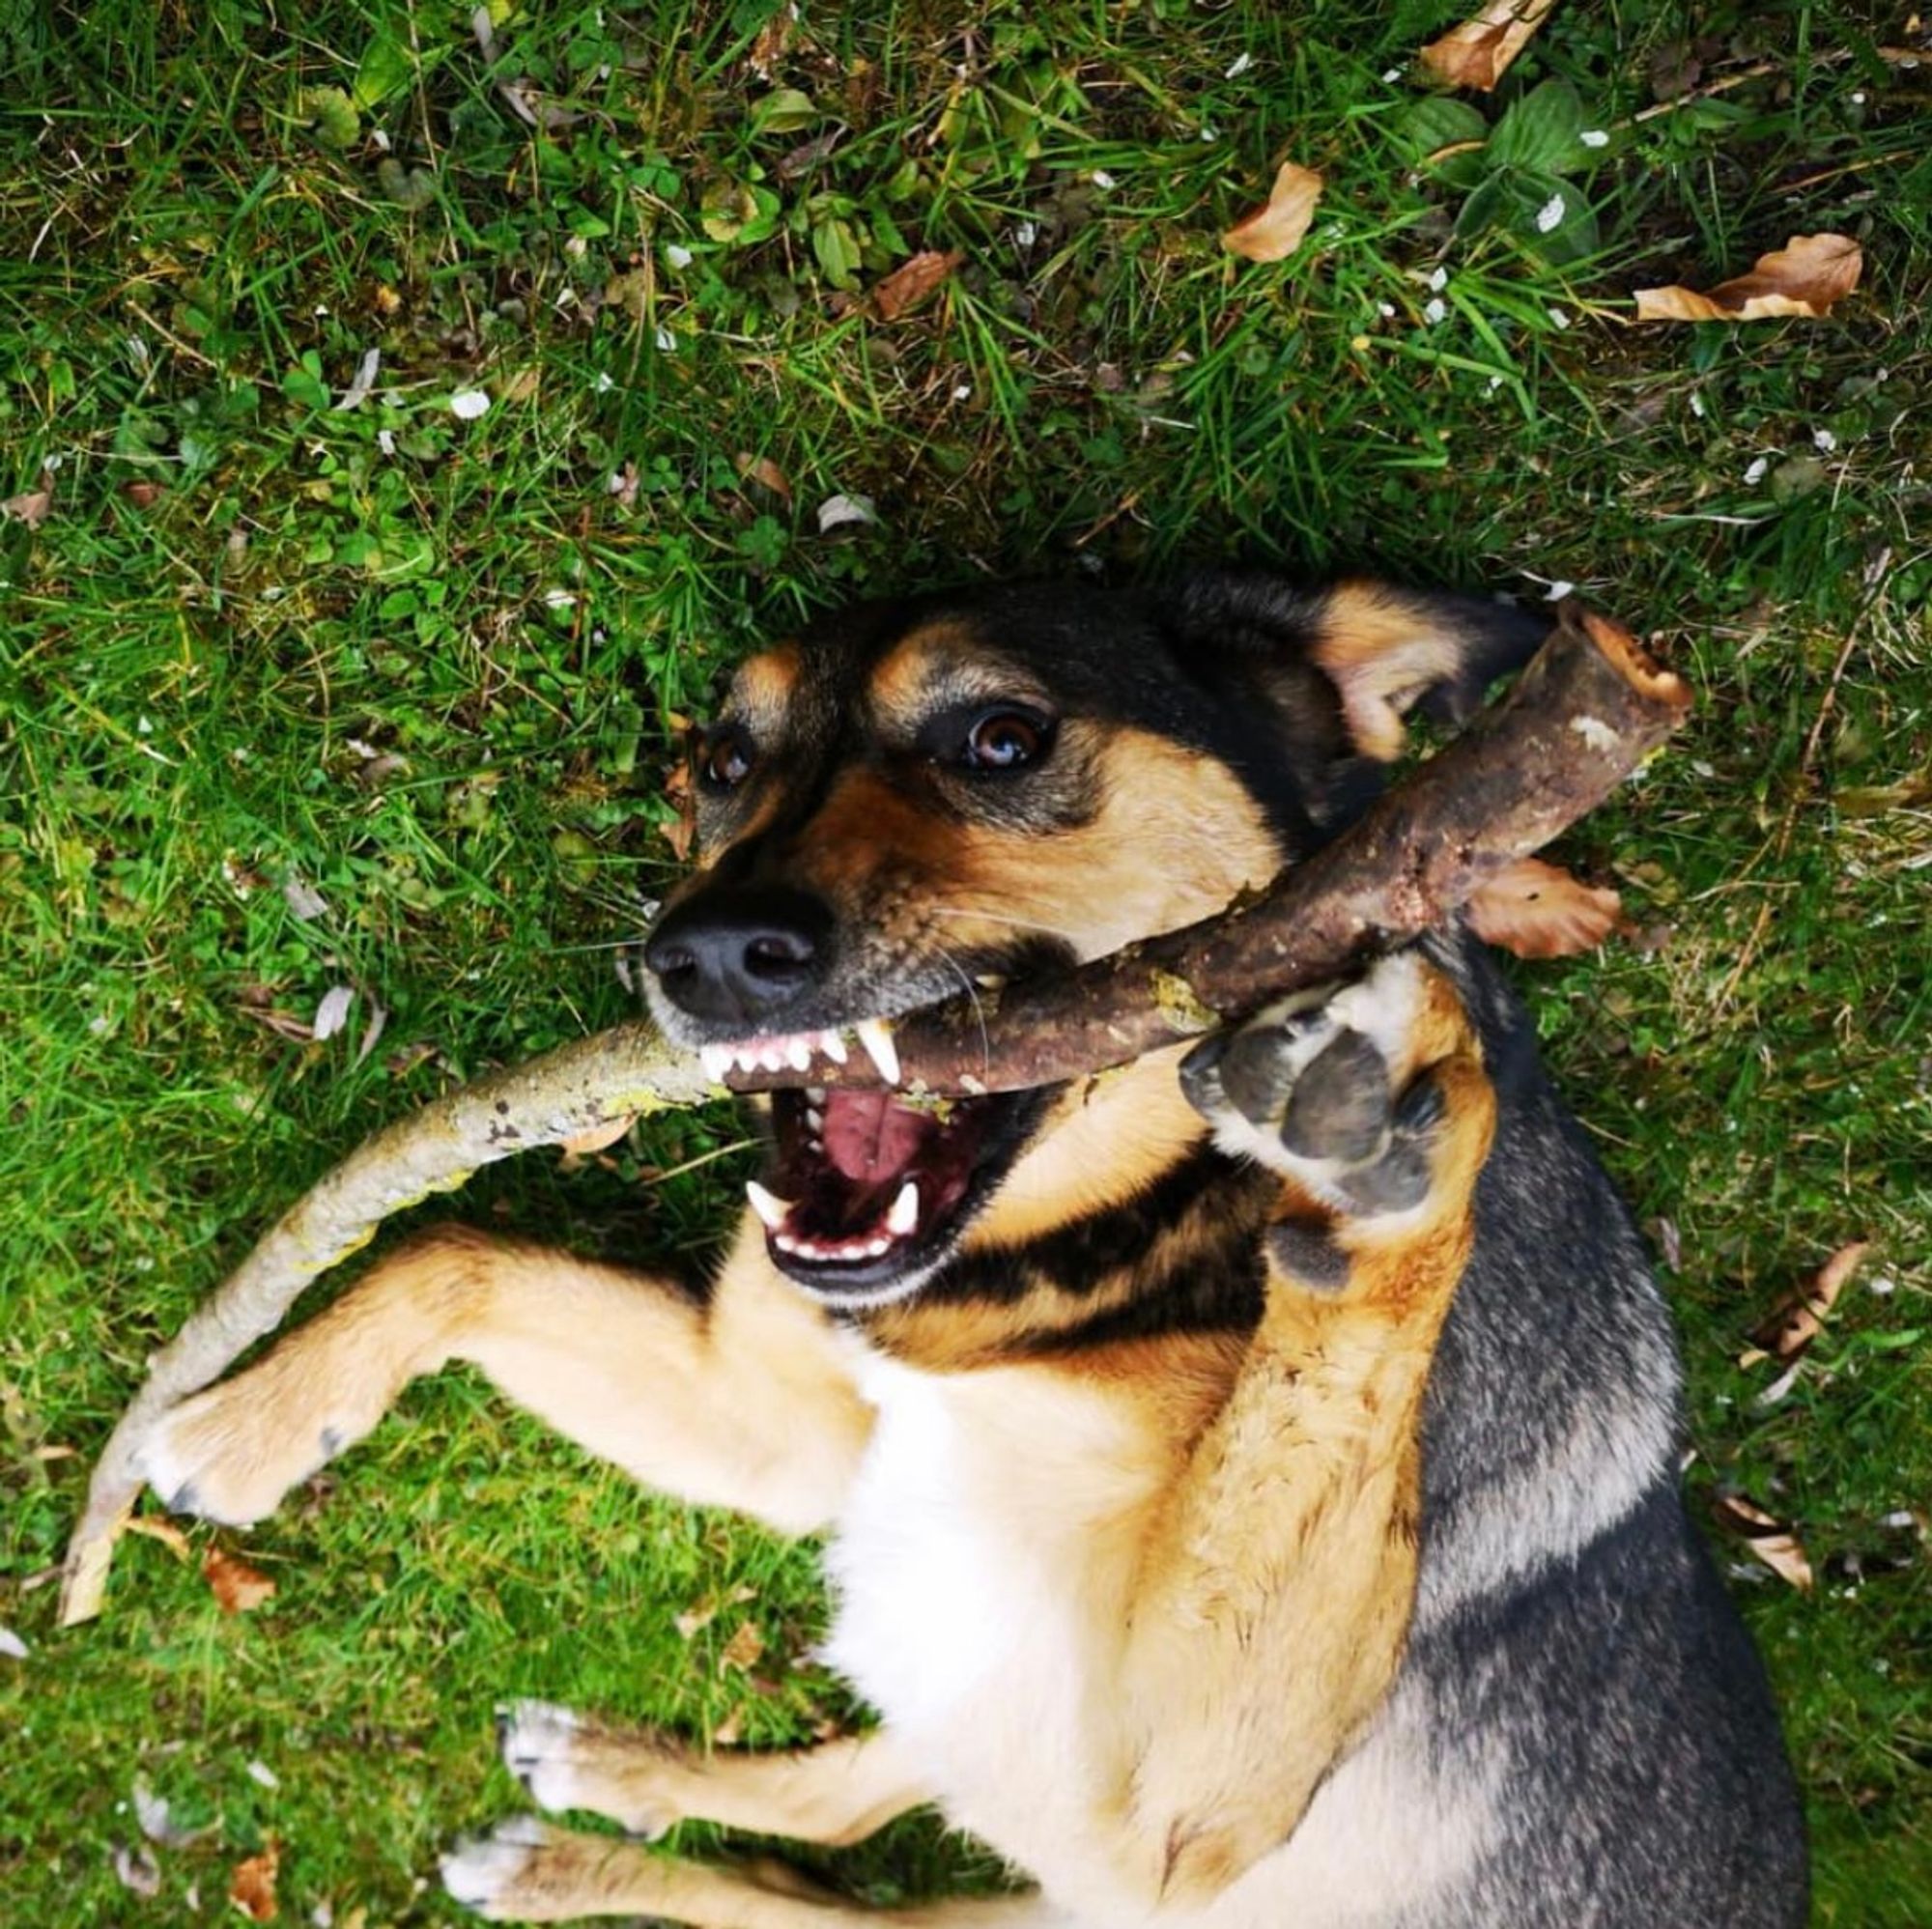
x=1004, y=740
x=724, y=761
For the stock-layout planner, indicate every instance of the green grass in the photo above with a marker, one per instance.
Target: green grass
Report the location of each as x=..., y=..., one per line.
x=433, y=669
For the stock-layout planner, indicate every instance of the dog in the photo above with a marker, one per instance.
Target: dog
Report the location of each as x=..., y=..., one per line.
x=1250, y=1474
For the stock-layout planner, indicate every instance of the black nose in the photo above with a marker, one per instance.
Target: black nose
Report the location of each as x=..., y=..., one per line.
x=737, y=957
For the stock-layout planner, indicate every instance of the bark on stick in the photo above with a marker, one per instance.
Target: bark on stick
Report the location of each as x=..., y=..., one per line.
x=1588, y=709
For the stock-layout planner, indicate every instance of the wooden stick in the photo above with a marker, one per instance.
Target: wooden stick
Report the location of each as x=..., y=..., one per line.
x=1588, y=709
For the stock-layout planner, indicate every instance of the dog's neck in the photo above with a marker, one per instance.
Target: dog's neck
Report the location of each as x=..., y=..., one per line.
x=1107, y=1137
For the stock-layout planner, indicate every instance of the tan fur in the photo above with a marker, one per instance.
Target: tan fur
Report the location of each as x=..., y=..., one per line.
x=748, y=1405
x=561, y=1874
x=1175, y=838
x=1382, y=649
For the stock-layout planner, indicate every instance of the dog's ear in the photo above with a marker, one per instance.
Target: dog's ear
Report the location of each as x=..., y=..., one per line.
x=1386, y=650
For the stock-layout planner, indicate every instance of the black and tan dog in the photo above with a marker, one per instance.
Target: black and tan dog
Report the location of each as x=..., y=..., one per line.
x=1251, y=1480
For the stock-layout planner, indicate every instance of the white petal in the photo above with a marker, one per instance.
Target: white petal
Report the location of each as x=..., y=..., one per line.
x=467, y=404
x=1550, y=214
x=332, y=1013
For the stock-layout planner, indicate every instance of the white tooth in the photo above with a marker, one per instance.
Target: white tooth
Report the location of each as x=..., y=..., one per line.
x=798, y=1053
x=784, y=1242
x=747, y=1058
x=716, y=1061
x=814, y=1121
x=875, y=1034
x=991, y=981
x=833, y=1047
x=904, y=1215
x=876, y=1247
x=767, y=1205
x=815, y=1094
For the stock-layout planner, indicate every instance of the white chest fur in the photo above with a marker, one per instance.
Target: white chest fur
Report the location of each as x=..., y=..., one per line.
x=981, y=1567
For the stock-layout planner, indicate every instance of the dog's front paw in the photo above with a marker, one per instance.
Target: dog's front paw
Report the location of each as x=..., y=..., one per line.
x=1305, y=1088
x=504, y=1876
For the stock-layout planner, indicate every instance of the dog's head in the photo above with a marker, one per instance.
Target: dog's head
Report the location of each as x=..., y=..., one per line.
x=913, y=798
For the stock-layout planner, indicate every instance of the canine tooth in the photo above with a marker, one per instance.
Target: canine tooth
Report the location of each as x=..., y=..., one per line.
x=814, y=1120
x=904, y=1215
x=798, y=1052
x=815, y=1094
x=716, y=1061
x=991, y=981
x=833, y=1047
x=876, y=1036
x=767, y=1205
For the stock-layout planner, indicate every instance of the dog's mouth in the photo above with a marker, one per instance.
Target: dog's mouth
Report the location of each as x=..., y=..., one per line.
x=868, y=1191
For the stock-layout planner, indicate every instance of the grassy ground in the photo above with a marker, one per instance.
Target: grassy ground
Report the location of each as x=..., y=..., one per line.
x=295, y=696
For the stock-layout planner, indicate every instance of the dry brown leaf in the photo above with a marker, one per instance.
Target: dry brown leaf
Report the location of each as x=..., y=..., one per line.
x=152, y=1528
x=1478, y=53
x=1539, y=910
x=682, y=830
x=774, y=41
x=1768, y=1538
x=764, y=470
x=251, y=1889
x=143, y=495
x=236, y=1587
x=911, y=282
x=580, y=1145
x=1273, y=232
x=730, y=1731
x=1799, y=1320
x=743, y=1649
x=30, y=508
x=1808, y=275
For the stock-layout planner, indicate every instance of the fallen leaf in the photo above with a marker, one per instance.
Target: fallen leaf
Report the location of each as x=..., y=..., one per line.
x=152, y=1528
x=743, y=1649
x=30, y=508
x=1274, y=230
x=1768, y=1538
x=302, y=897
x=764, y=471
x=580, y=1145
x=251, y=1889
x=137, y=1870
x=774, y=41
x=379, y=1017
x=1800, y=1318
x=1478, y=53
x=1808, y=275
x=236, y=1587
x=158, y=1823
x=332, y=1013
x=729, y=1731
x=845, y=512
x=1539, y=910
x=142, y=494
x=11, y=1645
x=467, y=404
x=362, y=382
x=911, y=281
x=682, y=831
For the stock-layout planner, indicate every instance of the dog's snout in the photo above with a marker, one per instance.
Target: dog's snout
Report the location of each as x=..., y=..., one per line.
x=737, y=958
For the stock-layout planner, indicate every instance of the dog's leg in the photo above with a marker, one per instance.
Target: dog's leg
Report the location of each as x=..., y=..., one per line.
x=530, y=1871
x=742, y=1400
x=837, y=1792
x=1275, y=1596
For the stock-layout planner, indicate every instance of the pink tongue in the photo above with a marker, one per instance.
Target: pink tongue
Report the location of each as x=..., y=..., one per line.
x=869, y=1136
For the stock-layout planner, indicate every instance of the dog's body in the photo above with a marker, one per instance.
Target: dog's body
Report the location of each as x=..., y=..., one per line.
x=1261, y=1524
